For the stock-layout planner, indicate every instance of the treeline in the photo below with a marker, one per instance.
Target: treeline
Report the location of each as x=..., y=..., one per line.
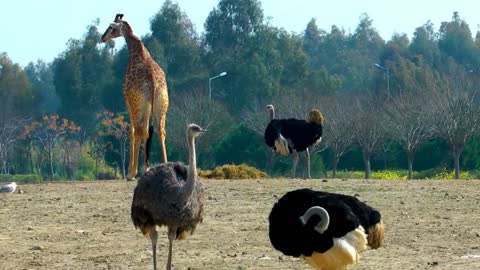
x=396, y=104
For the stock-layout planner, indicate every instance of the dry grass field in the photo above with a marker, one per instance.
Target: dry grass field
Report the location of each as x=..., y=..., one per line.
x=86, y=225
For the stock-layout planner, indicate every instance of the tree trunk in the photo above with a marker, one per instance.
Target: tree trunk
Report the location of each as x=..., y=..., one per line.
x=30, y=158
x=410, y=165
x=366, y=161
x=96, y=168
x=456, y=157
x=50, y=160
x=334, y=167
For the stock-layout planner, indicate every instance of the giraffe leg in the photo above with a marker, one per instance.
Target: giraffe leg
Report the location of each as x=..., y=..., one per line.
x=163, y=133
x=146, y=145
x=134, y=153
x=131, y=163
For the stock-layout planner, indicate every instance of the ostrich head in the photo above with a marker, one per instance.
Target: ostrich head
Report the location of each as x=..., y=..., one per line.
x=116, y=29
x=315, y=116
x=271, y=110
x=194, y=130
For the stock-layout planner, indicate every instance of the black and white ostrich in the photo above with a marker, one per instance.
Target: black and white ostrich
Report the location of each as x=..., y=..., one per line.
x=327, y=230
x=287, y=136
x=170, y=195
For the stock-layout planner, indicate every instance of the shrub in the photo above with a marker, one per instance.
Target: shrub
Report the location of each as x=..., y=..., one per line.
x=448, y=175
x=241, y=171
x=389, y=175
x=351, y=174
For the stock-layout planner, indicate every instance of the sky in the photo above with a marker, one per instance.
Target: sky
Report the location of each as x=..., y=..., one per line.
x=33, y=30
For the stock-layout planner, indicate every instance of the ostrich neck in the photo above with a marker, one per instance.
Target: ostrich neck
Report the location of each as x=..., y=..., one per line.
x=135, y=47
x=192, y=170
x=272, y=114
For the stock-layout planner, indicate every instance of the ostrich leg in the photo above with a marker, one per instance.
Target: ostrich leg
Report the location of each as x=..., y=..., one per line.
x=172, y=234
x=307, y=154
x=295, y=163
x=154, y=238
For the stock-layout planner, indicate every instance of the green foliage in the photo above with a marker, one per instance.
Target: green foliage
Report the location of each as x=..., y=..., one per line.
x=471, y=155
x=16, y=92
x=251, y=150
x=24, y=178
x=241, y=171
x=88, y=168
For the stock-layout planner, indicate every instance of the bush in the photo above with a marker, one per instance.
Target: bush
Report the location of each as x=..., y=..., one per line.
x=350, y=174
x=449, y=175
x=242, y=171
x=390, y=175
x=382, y=175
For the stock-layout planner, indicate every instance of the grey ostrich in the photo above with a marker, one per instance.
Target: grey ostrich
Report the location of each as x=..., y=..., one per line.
x=170, y=195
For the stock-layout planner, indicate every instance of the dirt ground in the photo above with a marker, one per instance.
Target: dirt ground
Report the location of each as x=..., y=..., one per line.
x=86, y=225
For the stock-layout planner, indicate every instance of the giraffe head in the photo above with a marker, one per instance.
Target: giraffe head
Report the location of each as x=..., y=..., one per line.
x=116, y=29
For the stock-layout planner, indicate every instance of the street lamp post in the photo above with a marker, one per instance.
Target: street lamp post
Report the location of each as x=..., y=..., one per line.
x=210, y=83
x=388, y=77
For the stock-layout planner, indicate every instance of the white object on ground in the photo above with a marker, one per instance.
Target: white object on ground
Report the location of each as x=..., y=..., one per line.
x=9, y=188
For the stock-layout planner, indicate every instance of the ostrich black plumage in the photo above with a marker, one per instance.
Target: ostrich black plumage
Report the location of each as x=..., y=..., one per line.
x=287, y=136
x=327, y=230
x=170, y=195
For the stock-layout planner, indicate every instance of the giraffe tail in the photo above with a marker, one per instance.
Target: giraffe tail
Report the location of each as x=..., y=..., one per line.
x=149, y=142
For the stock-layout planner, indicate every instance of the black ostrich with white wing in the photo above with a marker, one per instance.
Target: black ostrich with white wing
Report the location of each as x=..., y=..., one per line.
x=327, y=230
x=292, y=135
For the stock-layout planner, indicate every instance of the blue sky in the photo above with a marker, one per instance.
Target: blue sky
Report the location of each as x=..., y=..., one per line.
x=34, y=30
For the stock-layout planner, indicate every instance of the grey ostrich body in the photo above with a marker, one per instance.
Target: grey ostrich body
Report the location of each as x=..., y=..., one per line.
x=170, y=195
x=164, y=186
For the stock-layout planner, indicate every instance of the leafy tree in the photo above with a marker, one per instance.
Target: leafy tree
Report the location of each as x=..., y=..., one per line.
x=424, y=45
x=40, y=75
x=79, y=75
x=16, y=92
x=230, y=26
x=176, y=46
x=455, y=40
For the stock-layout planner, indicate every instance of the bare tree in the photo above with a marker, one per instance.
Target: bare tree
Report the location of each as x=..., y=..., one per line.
x=10, y=131
x=338, y=133
x=368, y=128
x=409, y=123
x=195, y=107
x=456, y=116
x=118, y=127
x=48, y=131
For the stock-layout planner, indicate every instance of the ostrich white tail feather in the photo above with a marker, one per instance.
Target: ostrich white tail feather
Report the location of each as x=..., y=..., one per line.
x=345, y=251
x=281, y=145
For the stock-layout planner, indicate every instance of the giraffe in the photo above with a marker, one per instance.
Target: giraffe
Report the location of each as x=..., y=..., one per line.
x=145, y=92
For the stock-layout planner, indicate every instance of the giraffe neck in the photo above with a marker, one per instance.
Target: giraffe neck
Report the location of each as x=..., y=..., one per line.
x=136, y=50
